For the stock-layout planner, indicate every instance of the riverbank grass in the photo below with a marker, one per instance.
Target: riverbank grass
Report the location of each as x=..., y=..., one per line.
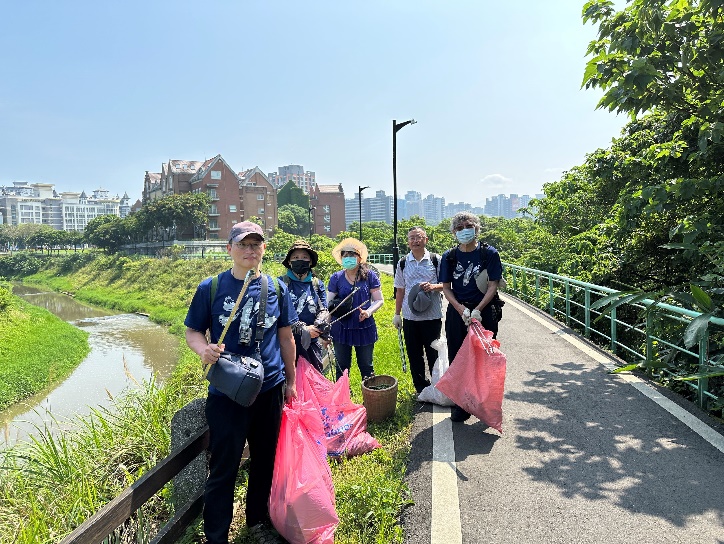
x=115, y=448
x=37, y=349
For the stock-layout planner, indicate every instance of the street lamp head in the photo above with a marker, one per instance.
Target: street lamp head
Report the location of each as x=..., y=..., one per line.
x=397, y=126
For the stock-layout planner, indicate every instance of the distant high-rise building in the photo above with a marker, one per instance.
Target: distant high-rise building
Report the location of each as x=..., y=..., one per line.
x=295, y=173
x=433, y=209
x=413, y=205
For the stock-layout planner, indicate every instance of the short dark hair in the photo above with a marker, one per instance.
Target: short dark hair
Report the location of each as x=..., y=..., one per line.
x=416, y=228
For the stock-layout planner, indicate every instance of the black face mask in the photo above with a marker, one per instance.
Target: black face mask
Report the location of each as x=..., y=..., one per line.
x=300, y=267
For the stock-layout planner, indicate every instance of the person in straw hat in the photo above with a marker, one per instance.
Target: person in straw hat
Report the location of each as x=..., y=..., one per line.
x=458, y=274
x=309, y=298
x=354, y=295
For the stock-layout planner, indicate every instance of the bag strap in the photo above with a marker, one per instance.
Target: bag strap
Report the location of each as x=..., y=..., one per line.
x=261, y=316
x=244, y=287
x=214, y=288
x=436, y=263
x=247, y=280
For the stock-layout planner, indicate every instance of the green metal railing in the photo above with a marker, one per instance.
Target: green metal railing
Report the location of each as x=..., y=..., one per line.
x=570, y=301
x=380, y=258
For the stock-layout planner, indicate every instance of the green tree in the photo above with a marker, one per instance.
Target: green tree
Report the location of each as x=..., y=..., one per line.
x=294, y=219
x=658, y=55
x=107, y=232
x=290, y=194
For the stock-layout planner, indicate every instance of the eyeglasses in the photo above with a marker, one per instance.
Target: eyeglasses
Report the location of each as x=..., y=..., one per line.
x=254, y=246
x=415, y=236
x=349, y=254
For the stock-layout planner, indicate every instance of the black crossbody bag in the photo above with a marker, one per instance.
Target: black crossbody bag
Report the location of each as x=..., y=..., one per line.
x=240, y=377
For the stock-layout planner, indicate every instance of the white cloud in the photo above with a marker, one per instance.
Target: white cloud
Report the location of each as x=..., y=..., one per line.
x=495, y=182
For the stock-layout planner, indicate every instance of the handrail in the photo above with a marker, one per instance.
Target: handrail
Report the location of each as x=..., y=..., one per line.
x=112, y=515
x=633, y=342
x=609, y=291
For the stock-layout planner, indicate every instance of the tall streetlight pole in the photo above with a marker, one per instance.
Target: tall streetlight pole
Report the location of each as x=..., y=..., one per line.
x=311, y=225
x=395, y=248
x=360, y=209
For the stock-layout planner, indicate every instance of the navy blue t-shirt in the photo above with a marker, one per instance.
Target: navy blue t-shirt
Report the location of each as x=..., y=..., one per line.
x=306, y=302
x=240, y=338
x=469, y=264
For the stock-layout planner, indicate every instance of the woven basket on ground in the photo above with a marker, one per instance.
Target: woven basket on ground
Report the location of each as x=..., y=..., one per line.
x=379, y=394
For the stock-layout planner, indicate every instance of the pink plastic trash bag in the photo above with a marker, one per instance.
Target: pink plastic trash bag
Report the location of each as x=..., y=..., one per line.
x=301, y=503
x=345, y=423
x=476, y=377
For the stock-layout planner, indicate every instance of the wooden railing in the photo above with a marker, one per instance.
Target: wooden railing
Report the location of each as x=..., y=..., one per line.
x=114, y=514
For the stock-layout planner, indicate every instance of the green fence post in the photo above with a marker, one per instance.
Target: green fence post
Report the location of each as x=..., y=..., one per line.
x=537, y=291
x=551, y=299
x=587, y=304
x=613, y=330
x=568, y=303
x=649, y=340
x=703, y=383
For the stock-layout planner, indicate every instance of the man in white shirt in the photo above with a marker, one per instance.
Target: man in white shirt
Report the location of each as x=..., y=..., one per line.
x=418, y=298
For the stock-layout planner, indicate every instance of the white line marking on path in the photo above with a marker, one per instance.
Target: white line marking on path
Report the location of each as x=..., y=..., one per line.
x=691, y=421
x=445, y=526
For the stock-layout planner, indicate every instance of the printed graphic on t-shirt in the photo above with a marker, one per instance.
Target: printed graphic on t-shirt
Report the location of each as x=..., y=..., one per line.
x=467, y=274
x=249, y=309
x=303, y=299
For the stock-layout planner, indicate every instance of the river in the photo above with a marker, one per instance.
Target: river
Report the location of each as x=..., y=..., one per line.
x=126, y=349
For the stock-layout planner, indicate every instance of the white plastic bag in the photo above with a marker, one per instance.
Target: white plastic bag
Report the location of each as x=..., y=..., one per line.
x=431, y=393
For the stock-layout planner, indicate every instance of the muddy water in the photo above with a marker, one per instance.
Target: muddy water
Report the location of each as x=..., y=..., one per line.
x=125, y=349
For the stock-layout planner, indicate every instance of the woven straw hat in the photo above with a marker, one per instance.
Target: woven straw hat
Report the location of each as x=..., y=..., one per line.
x=350, y=244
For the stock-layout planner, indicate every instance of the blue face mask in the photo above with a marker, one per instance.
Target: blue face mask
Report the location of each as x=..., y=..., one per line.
x=465, y=236
x=349, y=262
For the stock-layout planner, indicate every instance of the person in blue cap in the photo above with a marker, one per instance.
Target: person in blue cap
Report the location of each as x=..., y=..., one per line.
x=230, y=424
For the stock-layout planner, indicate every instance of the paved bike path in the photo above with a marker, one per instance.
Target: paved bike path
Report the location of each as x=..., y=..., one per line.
x=585, y=457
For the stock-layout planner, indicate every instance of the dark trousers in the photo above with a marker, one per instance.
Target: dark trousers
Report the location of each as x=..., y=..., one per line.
x=231, y=425
x=456, y=330
x=343, y=355
x=418, y=337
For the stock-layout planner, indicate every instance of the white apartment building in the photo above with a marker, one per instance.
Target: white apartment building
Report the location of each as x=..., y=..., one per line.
x=39, y=203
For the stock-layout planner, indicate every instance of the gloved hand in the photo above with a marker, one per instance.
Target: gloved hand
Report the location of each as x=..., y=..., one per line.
x=397, y=321
x=475, y=314
x=466, y=316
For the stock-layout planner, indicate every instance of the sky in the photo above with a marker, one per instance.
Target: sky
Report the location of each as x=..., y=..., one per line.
x=94, y=94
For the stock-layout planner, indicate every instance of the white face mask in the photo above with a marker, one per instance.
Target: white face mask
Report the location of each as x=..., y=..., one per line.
x=465, y=236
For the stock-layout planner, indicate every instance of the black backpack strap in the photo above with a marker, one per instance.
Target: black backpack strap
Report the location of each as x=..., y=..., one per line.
x=261, y=316
x=436, y=263
x=214, y=288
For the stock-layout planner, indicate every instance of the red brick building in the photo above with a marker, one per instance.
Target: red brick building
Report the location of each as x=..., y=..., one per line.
x=328, y=216
x=234, y=197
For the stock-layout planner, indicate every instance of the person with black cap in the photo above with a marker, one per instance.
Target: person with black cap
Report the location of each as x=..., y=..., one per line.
x=309, y=298
x=418, y=298
x=231, y=425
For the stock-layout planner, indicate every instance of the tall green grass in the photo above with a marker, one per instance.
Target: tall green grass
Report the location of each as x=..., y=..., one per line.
x=112, y=448
x=37, y=349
